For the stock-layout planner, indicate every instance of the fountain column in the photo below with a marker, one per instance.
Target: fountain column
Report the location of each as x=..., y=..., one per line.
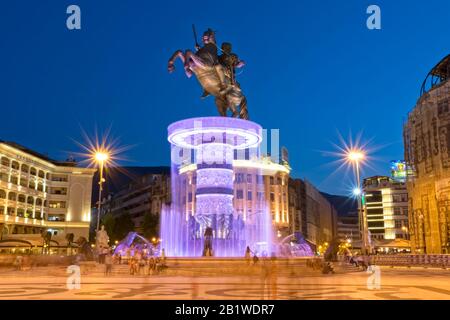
x=213, y=140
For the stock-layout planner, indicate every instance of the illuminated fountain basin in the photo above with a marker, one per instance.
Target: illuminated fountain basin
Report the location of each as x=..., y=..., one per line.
x=134, y=243
x=209, y=146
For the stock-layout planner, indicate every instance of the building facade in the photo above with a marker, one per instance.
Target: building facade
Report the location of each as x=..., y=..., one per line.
x=143, y=195
x=427, y=153
x=347, y=221
x=386, y=208
x=39, y=194
x=259, y=184
x=311, y=213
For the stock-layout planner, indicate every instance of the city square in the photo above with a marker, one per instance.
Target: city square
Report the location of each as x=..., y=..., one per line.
x=396, y=284
x=211, y=160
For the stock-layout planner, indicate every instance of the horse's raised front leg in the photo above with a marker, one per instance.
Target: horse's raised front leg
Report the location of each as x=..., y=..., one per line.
x=188, y=62
x=171, y=64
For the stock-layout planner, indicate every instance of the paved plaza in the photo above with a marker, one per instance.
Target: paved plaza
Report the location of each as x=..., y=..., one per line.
x=396, y=283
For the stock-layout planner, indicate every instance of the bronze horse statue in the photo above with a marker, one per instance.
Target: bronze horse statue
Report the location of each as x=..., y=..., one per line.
x=212, y=76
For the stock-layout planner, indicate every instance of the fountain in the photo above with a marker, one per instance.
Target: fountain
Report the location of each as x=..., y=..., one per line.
x=134, y=243
x=203, y=151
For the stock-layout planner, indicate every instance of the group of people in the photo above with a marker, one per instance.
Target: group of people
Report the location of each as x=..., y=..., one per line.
x=142, y=265
x=139, y=263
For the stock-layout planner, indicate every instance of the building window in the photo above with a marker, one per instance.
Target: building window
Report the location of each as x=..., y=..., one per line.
x=397, y=211
x=14, y=180
x=41, y=174
x=239, y=177
x=5, y=161
x=260, y=179
x=249, y=195
x=21, y=198
x=23, y=182
x=15, y=165
x=56, y=217
x=398, y=224
x=249, y=178
x=272, y=197
x=33, y=171
x=12, y=196
x=61, y=191
x=272, y=181
x=4, y=177
x=24, y=168
x=57, y=204
x=239, y=194
x=260, y=196
x=190, y=197
x=60, y=178
x=2, y=194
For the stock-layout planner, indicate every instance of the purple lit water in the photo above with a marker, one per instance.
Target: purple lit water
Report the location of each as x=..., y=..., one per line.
x=203, y=149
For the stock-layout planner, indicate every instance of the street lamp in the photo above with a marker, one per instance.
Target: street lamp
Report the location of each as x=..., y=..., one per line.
x=101, y=157
x=356, y=157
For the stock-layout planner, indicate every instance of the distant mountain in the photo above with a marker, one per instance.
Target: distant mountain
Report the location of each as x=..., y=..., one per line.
x=343, y=205
x=117, y=178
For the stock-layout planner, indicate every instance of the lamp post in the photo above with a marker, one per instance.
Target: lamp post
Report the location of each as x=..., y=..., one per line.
x=405, y=230
x=101, y=157
x=355, y=157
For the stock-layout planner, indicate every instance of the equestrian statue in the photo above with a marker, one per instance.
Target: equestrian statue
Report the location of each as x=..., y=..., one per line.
x=216, y=73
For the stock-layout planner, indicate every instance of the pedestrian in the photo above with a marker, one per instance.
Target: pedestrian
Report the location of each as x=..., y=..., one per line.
x=248, y=255
x=255, y=259
x=18, y=263
x=163, y=257
x=151, y=266
x=108, y=264
x=131, y=265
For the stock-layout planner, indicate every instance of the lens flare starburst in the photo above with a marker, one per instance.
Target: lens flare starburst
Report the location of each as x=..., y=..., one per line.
x=353, y=156
x=103, y=149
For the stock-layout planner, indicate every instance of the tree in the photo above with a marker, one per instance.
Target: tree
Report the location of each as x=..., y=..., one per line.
x=122, y=226
x=109, y=221
x=151, y=225
x=70, y=238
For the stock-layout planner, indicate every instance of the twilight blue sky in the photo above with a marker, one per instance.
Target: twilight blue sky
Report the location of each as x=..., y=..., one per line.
x=313, y=69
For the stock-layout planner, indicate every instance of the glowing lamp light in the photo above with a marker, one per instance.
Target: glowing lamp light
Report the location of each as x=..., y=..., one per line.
x=355, y=155
x=356, y=191
x=101, y=156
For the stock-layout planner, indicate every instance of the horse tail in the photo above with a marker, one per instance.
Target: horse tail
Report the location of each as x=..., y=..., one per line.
x=243, y=113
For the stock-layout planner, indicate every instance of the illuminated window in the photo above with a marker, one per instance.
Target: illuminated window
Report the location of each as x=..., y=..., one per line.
x=57, y=204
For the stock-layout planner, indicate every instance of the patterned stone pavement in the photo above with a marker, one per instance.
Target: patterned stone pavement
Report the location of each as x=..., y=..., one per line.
x=394, y=284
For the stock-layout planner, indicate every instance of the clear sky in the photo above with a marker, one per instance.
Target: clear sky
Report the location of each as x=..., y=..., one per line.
x=313, y=69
